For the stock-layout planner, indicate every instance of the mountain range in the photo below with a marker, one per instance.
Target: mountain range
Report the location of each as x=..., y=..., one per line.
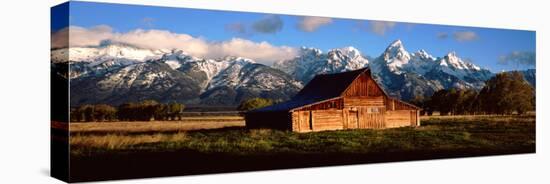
x=117, y=73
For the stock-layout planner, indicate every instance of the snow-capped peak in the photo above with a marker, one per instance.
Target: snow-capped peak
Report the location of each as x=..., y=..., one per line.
x=456, y=61
x=395, y=57
x=454, y=65
x=347, y=57
x=310, y=51
x=396, y=43
x=351, y=52
x=105, y=52
x=312, y=61
x=452, y=54
x=423, y=55
x=452, y=60
x=396, y=50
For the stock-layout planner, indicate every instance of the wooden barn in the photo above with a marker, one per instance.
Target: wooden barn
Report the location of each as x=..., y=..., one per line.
x=348, y=100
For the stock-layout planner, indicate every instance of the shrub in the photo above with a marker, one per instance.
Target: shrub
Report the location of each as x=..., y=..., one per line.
x=254, y=103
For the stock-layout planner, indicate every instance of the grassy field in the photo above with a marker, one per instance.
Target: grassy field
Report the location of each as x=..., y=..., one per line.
x=158, y=144
x=436, y=133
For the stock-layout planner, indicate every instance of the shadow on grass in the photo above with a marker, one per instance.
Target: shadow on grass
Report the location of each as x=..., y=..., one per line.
x=112, y=166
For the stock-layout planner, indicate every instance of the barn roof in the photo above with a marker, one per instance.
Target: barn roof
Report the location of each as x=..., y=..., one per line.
x=285, y=106
x=326, y=86
x=321, y=87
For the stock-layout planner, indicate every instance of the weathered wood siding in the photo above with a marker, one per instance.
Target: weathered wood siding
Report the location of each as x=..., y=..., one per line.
x=364, y=104
x=317, y=120
x=327, y=120
x=370, y=117
x=351, y=119
x=364, y=85
x=301, y=121
x=401, y=118
x=364, y=101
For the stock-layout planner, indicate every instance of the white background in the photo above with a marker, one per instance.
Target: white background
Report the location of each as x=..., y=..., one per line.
x=24, y=91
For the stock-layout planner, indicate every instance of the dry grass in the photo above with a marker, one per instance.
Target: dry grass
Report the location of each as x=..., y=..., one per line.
x=193, y=123
x=117, y=141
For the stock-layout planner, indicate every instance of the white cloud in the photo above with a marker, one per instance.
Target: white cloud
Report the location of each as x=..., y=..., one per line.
x=463, y=36
x=381, y=27
x=262, y=52
x=310, y=24
x=80, y=36
x=161, y=39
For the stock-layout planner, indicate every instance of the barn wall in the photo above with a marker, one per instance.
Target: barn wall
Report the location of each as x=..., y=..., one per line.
x=364, y=101
x=327, y=120
x=317, y=120
x=349, y=118
x=356, y=113
x=401, y=118
x=274, y=120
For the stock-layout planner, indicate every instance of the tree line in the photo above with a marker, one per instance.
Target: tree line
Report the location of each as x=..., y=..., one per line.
x=146, y=110
x=505, y=93
x=255, y=103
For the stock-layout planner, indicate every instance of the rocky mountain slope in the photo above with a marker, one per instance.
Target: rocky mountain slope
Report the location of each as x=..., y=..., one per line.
x=117, y=73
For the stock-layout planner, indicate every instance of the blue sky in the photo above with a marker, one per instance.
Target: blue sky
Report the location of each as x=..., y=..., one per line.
x=483, y=46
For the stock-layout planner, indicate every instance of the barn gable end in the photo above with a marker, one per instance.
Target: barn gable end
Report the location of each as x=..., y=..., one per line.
x=364, y=86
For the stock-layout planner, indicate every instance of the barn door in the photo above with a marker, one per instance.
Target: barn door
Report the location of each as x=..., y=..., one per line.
x=353, y=119
x=371, y=117
x=305, y=121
